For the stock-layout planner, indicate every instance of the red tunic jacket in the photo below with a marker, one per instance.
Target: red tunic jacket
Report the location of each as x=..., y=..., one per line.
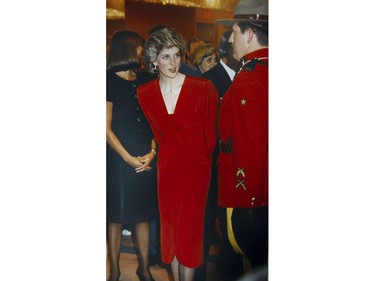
x=243, y=118
x=186, y=141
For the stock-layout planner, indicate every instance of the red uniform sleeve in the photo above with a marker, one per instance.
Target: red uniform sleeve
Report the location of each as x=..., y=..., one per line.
x=251, y=112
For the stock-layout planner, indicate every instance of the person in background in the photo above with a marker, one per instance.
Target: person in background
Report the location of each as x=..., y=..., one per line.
x=181, y=111
x=243, y=131
x=191, y=45
x=131, y=178
x=205, y=57
x=222, y=74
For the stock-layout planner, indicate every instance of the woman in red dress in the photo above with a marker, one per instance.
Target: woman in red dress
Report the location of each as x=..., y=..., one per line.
x=181, y=111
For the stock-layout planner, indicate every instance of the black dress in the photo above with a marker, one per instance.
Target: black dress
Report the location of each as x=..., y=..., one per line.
x=131, y=196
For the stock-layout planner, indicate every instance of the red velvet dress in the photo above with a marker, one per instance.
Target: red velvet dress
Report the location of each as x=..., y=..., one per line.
x=186, y=141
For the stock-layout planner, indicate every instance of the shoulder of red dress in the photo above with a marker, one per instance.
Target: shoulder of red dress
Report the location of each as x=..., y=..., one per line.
x=146, y=87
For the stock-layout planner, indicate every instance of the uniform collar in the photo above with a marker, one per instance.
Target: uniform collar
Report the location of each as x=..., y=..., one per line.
x=259, y=54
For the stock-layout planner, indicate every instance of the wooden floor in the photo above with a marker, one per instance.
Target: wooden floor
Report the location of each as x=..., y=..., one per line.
x=128, y=265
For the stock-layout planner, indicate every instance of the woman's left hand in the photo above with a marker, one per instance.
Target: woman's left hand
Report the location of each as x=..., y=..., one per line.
x=146, y=160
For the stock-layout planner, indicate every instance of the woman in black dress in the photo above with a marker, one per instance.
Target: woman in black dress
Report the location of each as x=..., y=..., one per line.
x=131, y=176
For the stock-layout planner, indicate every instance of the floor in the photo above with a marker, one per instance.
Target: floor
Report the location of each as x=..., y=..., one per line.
x=128, y=264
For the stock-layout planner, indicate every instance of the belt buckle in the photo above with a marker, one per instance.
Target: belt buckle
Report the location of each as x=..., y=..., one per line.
x=225, y=147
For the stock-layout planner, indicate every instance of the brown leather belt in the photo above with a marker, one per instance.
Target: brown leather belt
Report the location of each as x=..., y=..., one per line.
x=226, y=147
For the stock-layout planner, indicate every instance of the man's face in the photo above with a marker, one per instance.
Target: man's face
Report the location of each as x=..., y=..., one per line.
x=239, y=42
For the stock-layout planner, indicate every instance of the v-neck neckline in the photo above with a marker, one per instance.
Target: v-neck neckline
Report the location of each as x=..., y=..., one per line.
x=178, y=99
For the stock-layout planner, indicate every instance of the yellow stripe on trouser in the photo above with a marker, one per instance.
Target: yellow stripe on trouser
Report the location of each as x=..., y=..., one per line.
x=231, y=237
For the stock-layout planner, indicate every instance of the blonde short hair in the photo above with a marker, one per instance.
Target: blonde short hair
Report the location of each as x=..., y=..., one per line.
x=202, y=52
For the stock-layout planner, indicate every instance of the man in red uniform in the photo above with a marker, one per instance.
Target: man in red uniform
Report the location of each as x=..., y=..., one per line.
x=243, y=128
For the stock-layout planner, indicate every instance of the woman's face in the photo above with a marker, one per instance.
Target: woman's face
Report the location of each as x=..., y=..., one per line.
x=208, y=63
x=168, y=62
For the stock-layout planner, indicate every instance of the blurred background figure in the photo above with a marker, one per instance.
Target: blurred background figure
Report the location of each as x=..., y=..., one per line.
x=131, y=180
x=191, y=45
x=205, y=57
x=222, y=74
